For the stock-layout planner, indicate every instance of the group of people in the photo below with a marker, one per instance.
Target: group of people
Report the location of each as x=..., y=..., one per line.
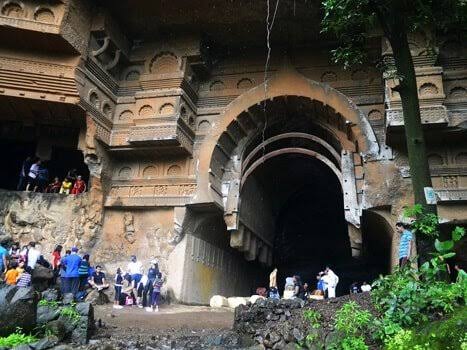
x=326, y=285
x=137, y=287
x=355, y=288
x=34, y=176
x=76, y=275
x=17, y=264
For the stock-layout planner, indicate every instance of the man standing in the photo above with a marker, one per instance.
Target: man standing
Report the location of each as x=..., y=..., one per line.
x=23, y=174
x=405, y=244
x=71, y=274
x=332, y=280
x=33, y=255
x=135, y=269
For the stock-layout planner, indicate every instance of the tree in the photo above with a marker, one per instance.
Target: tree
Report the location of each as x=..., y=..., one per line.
x=352, y=21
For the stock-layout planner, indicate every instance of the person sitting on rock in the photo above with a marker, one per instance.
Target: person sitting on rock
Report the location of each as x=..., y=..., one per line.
x=54, y=187
x=66, y=186
x=127, y=297
x=25, y=278
x=97, y=279
x=79, y=186
x=274, y=293
x=12, y=274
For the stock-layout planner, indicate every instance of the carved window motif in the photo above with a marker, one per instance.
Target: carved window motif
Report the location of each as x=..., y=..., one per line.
x=359, y=74
x=44, y=15
x=107, y=110
x=435, y=160
x=174, y=170
x=126, y=115
x=244, y=83
x=183, y=112
x=328, y=76
x=450, y=182
x=461, y=158
x=204, y=125
x=374, y=115
x=94, y=100
x=124, y=173
x=216, y=86
x=191, y=121
x=132, y=75
x=146, y=111
x=458, y=92
x=149, y=172
x=165, y=62
x=428, y=89
x=166, y=108
x=12, y=9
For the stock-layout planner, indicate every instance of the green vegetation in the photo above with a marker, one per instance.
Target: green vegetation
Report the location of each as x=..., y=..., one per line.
x=71, y=313
x=418, y=309
x=51, y=304
x=17, y=338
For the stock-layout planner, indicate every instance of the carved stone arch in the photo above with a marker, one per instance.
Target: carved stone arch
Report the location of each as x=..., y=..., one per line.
x=164, y=62
x=166, y=109
x=125, y=173
x=216, y=85
x=150, y=171
x=435, y=159
x=458, y=92
x=13, y=9
x=286, y=82
x=44, y=14
x=427, y=89
x=126, y=115
x=107, y=109
x=94, y=99
x=461, y=158
x=244, y=83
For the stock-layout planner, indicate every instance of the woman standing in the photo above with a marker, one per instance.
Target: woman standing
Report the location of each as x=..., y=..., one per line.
x=118, y=285
x=56, y=257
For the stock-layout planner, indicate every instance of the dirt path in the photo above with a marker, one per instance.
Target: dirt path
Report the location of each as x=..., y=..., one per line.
x=169, y=317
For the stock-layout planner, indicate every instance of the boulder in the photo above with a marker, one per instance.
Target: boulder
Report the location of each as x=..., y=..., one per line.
x=18, y=308
x=42, y=277
x=45, y=343
x=46, y=314
x=218, y=301
x=57, y=328
x=68, y=298
x=97, y=297
x=236, y=301
x=255, y=297
x=51, y=294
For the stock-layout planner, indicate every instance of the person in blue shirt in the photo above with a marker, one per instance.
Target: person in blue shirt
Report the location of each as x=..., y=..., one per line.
x=405, y=244
x=71, y=275
x=3, y=255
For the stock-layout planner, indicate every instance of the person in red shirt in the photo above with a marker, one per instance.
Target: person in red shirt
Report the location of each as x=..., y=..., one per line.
x=54, y=187
x=79, y=186
x=56, y=258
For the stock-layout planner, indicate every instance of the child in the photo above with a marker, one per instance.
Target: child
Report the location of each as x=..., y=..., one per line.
x=157, y=285
x=66, y=186
x=20, y=268
x=118, y=285
x=79, y=186
x=25, y=278
x=54, y=187
x=12, y=274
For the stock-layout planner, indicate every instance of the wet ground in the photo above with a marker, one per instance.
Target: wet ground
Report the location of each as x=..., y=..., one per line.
x=173, y=327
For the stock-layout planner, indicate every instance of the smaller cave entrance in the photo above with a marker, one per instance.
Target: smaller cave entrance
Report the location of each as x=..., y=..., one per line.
x=49, y=131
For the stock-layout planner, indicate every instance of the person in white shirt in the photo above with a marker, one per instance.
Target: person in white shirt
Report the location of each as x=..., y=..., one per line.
x=135, y=270
x=32, y=175
x=365, y=287
x=332, y=280
x=33, y=255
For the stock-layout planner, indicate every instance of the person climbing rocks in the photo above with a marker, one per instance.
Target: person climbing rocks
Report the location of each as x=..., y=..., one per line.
x=79, y=186
x=405, y=244
x=12, y=274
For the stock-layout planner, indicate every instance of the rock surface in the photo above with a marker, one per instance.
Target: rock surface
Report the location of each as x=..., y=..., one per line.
x=218, y=301
x=17, y=309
